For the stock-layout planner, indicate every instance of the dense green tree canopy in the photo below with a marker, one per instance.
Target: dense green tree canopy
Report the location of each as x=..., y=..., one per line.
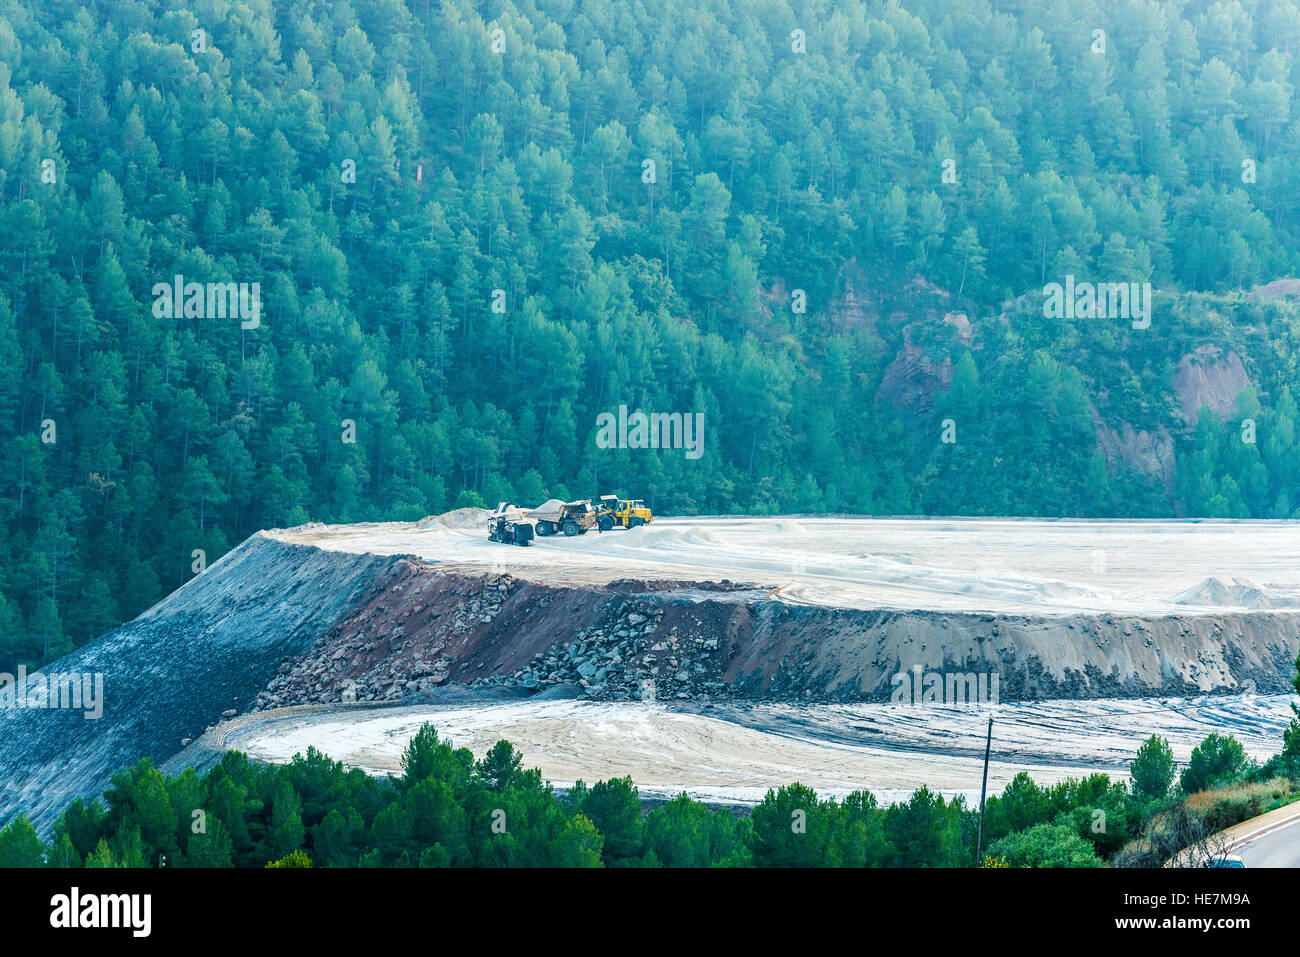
x=477, y=226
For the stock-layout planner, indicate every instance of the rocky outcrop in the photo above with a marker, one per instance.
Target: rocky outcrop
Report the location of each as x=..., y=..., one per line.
x=1277, y=289
x=913, y=379
x=1149, y=453
x=1209, y=377
x=960, y=324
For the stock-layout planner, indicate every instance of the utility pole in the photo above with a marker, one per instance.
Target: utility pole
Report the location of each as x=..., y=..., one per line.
x=988, y=744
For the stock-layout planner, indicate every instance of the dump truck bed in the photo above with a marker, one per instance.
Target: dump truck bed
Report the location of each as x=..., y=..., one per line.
x=552, y=509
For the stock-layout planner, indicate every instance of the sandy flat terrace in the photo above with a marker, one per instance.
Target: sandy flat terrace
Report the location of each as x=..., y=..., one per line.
x=1029, y=567
x=735, y=753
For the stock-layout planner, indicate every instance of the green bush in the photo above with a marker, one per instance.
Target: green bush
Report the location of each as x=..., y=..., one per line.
x=1219, y=759
x=1046, y=845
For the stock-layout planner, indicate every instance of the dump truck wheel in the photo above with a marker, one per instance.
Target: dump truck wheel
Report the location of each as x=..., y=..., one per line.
x=570, y=529
x=544, y=528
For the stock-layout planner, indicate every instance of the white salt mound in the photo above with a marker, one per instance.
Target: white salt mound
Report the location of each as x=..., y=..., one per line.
x=550, y=509
x=654, y=537
x=1237, y=592
x=457, y=518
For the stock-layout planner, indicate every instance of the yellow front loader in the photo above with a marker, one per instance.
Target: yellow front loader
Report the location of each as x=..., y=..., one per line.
x=615, y=512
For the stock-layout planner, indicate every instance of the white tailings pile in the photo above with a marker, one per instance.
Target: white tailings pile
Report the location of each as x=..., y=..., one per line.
x=735, y=753
x=1040, y=568
x=459, y=518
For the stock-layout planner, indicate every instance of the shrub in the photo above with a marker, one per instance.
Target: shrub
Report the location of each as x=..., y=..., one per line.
x=1219, y=759
x=1045, y=845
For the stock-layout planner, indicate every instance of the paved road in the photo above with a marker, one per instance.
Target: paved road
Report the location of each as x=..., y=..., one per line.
x=1279, y=848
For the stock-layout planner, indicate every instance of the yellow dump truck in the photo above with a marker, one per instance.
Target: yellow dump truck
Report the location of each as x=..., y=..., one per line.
x=571, y=518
